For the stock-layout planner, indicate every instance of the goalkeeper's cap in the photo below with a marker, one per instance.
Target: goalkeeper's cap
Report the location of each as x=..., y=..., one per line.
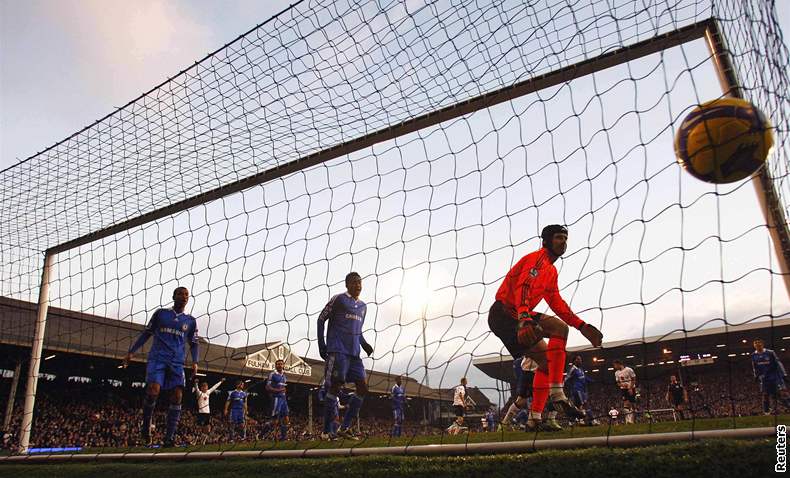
x=548, y=232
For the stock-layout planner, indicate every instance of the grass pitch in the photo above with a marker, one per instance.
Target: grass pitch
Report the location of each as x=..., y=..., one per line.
x=720, y=458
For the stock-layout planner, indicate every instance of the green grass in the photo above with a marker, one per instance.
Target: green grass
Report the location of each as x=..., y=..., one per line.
x=601, y=430
x=720, y=458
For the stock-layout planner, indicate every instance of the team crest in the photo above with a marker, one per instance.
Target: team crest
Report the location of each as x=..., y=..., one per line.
x=533, y=272
x=184, y=327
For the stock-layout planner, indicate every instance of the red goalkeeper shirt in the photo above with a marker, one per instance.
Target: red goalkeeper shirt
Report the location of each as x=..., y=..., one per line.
x=532, y=279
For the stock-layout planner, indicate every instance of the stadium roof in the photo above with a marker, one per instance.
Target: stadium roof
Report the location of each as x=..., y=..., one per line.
x=725, y=345
x=96, y=336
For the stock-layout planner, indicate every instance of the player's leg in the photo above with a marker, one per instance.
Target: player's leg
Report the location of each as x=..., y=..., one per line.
x=154, y=378
x=174, y=381
x=394, y=432
x=502, y=322
x=282, y=417
x=334, y=377
x=524, y=372
x=540, y=383
x=557, y=332
x=356, y=374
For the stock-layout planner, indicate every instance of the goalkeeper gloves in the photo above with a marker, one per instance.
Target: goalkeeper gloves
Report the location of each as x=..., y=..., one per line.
x=592, y=334
x=529, y=332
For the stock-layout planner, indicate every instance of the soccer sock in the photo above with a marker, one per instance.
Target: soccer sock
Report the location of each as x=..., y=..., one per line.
x=329, y=412
x=540, y=394
x=173, y=414
x=511, y=412
x=353, y=410
x=555, y=354
x=766, y=404
x=283, y=431
x=149, y=404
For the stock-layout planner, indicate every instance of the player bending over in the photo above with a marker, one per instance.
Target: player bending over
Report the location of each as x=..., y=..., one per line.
x=340, y=350
x=171, y=329
x=513, y=320
x=770, y=374
x=626, y=382
x=203, y=393
x=677, y=396
x=398, y=403
x=276, y=387
x=236, y=404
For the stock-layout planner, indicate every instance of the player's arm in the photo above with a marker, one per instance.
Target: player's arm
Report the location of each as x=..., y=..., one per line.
x=245, y=405
x=569, y=378
x=269, y=387
x=322, y=318
x=143, y=337
x=564, y=312
x=685, y=395
x=666, y=397
x=193, y=348
x=227, y=404
x=779, y=366
x=216, y=386
x=365, y=345
x=754, y=369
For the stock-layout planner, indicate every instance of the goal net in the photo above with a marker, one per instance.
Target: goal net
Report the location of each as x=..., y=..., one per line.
x=422, y=144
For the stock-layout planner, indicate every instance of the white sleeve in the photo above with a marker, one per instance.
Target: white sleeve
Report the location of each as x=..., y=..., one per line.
x=216, y=386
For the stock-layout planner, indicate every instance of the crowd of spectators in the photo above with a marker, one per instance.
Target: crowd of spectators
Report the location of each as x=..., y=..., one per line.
x=84, y=416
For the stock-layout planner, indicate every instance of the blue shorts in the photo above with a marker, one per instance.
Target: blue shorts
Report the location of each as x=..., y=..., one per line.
x=772, y=387
x=237, y=417
x=579, y=398
x=167, y=374
x=397, y=415
x=280, y=407
x=342, y=368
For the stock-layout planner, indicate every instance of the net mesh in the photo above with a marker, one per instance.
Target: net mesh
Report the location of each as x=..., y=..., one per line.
x=433, y=219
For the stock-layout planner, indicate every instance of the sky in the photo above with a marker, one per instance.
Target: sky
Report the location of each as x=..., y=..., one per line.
x=65, y=64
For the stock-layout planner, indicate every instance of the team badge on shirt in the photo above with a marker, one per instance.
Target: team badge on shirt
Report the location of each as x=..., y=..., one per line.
x=533, y=272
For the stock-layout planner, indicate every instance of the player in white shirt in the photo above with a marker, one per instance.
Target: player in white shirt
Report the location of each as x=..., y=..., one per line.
x=459, y=406
x=626, y=381
x=202, y=393
x=613, y=413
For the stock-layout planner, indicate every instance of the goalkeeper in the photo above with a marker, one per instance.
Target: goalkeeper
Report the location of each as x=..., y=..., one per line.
x=522, y=331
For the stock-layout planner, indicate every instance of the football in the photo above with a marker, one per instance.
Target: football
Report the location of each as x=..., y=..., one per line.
x=723, y=141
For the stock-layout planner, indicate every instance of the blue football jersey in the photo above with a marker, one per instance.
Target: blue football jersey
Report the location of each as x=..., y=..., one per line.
x=398, y=397
x=767, y=366
x=577, y=379
x=237, y=399
x=171, y=332
x=346, y=316
x=278, y=382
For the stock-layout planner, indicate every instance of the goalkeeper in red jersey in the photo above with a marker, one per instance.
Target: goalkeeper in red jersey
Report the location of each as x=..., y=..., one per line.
x=512, y=318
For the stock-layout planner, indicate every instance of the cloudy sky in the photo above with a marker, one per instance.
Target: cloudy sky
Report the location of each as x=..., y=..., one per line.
x=66, y=64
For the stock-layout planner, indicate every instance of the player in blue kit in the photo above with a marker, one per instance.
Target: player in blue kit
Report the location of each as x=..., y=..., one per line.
x=172, y=330
x=340, y=350
x=577, y=380
x=276, y=387
x=770, y=374
x=490, y=420
x=398, y=402
x=237, y=405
